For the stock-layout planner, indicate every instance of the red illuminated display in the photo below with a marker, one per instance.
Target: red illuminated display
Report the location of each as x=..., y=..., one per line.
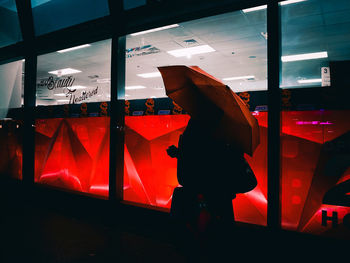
x=73, y=154
x=315, y=163
x=150, y=174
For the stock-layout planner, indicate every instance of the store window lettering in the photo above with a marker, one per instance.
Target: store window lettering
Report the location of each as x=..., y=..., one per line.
x=83, y=96
x=52, y=83
x=69, y=91
x=333, y=218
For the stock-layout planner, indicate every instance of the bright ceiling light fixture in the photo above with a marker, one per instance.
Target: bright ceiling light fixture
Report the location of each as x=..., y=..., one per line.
x=77, y=87
x=73, y=48
x=154, y=30
x=291, y=2
x=239, y=78
x=64, y=71
x=307, y=81
x=150, y=75
x=262, y=7
x=102, y=81
x=307, y=56
x=253, y=9
x=134, y=87
x=188, y=52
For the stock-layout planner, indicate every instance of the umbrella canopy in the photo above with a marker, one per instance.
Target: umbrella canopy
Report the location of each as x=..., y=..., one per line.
x=203, y=96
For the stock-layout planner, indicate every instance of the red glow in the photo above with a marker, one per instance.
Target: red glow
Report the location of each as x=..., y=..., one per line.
x=73, y=154
x=302, y=186
x=150, y=174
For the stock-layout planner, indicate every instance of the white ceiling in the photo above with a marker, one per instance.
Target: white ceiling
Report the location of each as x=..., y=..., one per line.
x=240, y=49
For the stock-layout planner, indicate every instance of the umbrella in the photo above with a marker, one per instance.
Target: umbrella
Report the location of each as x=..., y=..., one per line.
x=197, y=92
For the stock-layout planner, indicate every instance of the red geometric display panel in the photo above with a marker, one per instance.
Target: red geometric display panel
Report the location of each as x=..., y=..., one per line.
x=316, y=172
x=73, y=154
x=150, y=174
x=315, y=164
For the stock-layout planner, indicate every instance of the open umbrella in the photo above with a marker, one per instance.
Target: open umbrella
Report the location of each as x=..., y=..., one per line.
x=196, y=92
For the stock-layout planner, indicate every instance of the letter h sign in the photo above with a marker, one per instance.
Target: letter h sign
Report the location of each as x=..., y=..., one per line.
x=333, y=218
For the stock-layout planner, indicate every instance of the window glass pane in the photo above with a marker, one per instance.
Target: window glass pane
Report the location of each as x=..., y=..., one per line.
x=77, y=75
x=314, y=32
x=10, y=32
x=315, y=137
x=51, y=15
x=11, y=86
x=73, y=154
x=11, y=132
x=11, y=135
x=130, y=4
x=232, y=48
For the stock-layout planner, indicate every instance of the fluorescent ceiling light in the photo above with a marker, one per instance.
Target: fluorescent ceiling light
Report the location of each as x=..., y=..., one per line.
x=73, y=48
x=154, y=30
x=150, y=75
x=186, y=52
x=247, y=10
x=76, y=87
x=64, y=71
x=101, y=81
x=262, y=7
x=306, y=81
x=238, y=78
x=291, y=2
x=307, y=56
x=134, y=87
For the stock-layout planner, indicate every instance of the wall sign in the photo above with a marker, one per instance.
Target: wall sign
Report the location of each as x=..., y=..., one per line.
x=326, y=76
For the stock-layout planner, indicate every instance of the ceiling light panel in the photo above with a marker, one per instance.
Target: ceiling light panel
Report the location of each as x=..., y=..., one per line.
x=154, y=30
x=308, y=81
x=291, y=2
x=307, y=56
x=253, y=9
x=73, y=48
x=134, y=87
x=262, y=7
x=77, y=87
x=150, y=75
x=239, y=78
x=185, y=52
x=64, y=71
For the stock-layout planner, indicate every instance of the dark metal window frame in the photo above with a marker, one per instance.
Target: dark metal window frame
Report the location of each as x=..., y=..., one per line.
x=116, y=26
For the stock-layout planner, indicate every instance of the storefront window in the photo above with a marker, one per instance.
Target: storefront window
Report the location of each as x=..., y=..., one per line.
x=11, y=123
x=315, y=126
x=73, y=154
x=314, y=32
x=75, y=75
x=52, y=15
x=11, y=86
x=232, y=48
x=10, y=32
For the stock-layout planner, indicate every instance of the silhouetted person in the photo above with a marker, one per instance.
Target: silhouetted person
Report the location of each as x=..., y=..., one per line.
x=206, y=167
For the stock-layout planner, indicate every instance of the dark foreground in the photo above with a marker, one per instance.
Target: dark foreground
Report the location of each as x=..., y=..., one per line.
x=53, y=231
